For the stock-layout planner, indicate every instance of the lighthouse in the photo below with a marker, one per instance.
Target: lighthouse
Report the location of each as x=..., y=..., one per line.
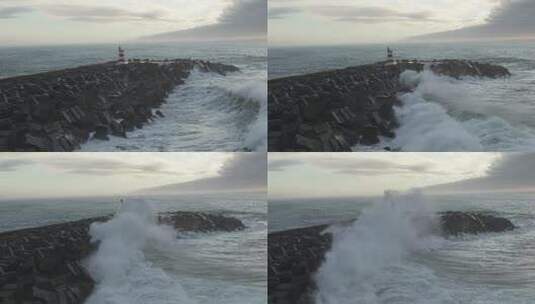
x=389, y=54
x=122, y=58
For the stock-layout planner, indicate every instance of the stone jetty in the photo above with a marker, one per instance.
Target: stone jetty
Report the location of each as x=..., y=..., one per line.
x=43, y=265
x=295, y=255
x=335, y=110
x=60, y=110
x=200, y=222
x=455, y=223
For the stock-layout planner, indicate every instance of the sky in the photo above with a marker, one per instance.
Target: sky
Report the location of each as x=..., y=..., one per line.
x=318, y=22
x=512, y=172
x=317, y=175
x=49, y=22
x=45, y=175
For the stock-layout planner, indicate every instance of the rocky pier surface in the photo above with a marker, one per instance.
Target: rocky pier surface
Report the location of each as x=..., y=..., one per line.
x=60, y=110
x=336, y=110
x=295, y=255
x=200, y=222
x=44, y=265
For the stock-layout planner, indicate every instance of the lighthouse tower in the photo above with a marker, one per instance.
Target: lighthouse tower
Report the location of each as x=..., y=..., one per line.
x=389, y=54
x=122, y=58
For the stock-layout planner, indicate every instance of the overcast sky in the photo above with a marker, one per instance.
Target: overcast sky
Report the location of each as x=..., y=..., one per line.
x=100, y=21
x=38, y=175
x=319, y=22
x=308, y=175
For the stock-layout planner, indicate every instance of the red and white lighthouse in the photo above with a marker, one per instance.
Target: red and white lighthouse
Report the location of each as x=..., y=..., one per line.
x=122, y=58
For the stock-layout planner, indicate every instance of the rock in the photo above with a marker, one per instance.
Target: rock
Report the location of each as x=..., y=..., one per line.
x=456, y=222
x=200, y=222
x=295, y=255
x=43, y=265
x=79, y=100
x=101, y=132
x=370, y=136
x=349, y=101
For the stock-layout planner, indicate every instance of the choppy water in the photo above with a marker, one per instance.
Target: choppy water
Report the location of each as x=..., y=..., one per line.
x=209, y=113
x=387, y=258
x=141, y=262
x=465, y=115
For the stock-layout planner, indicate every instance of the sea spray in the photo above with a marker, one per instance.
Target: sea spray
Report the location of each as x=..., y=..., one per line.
x=364, y=254
x=427, y=126
x=447, y=114
x=119, y=266
x=256, y=91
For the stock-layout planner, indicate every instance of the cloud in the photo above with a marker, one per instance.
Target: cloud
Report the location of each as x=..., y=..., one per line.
x=106, y=167
x=371, y=14
x=103, y=13
x=243, y=172
x=511, y=172
x=14, y=11
x=82, y=164
x=9, y=165
x=281, y=12
x=243, y=20
x=355, y=14
x=281, y=164
x=511, y=19
x=361, y=166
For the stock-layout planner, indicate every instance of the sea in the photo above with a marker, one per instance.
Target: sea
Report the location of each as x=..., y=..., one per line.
x=139, y=261
x=441, y=114
x=209, y=112
x=388, y=257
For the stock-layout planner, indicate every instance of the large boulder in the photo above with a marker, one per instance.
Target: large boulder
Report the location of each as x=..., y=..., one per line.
x=200, y=222
x=457, y=222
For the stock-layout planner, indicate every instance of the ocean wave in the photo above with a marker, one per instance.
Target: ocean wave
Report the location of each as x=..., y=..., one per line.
x=209, y=112
x=446, y=114
x=390, y=255
x=119, y=266
x=358, y=267
x=256, y=91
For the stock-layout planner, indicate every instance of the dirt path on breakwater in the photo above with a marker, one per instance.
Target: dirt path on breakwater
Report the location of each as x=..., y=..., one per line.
x=60, y=110
x=336, y=110
x=43, y=264
x=295, y=255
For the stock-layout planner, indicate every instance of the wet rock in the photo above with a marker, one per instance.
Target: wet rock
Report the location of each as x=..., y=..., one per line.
x=81, y=100
x=370, y=136
x=349, y=101
x=294, y=256
x=101, y=132
x=43, y=265
x=200, y=222
x=455, y=223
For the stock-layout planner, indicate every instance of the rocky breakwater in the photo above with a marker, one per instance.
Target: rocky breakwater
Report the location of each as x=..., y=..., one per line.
x=200, y=222
x=335, y=110
x=295, y=255
x=455, y=223
x=60, y=110
x=43, y=265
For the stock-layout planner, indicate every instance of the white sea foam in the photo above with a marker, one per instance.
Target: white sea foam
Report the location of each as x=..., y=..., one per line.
x=209, y=112
x=362, y=256
x=119, y=267
x=446, y=114
x=255, y=91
